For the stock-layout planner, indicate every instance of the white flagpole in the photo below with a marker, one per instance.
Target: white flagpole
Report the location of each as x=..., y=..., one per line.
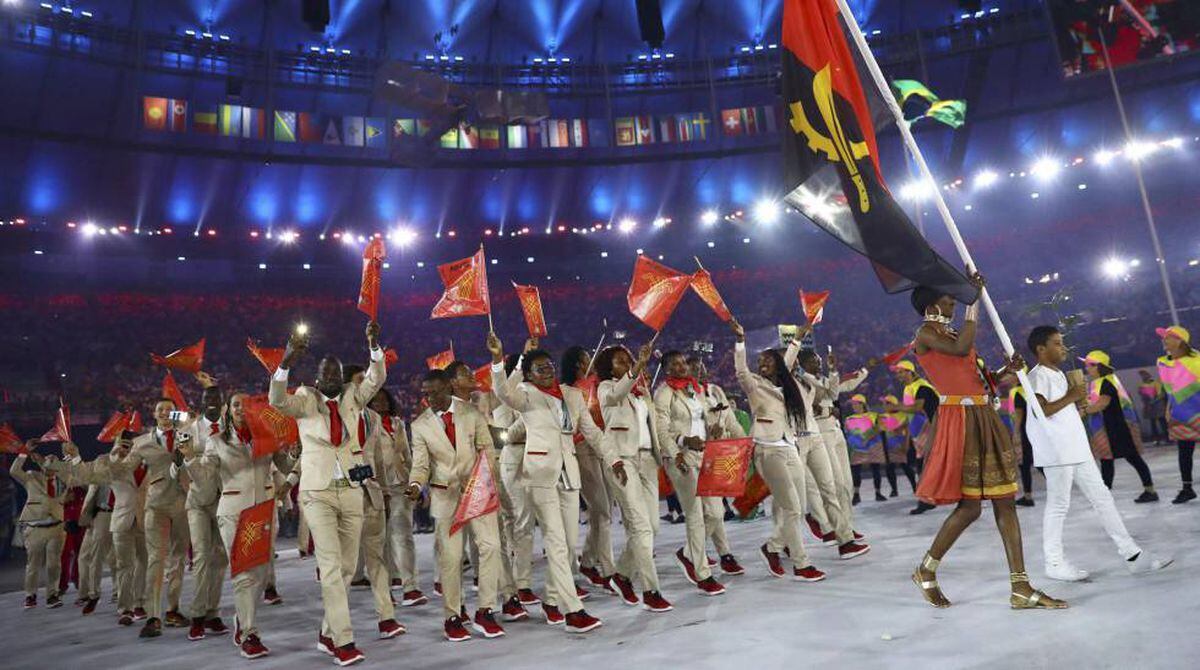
x=884, y=88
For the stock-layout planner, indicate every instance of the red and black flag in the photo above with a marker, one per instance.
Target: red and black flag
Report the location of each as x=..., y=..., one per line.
x=832, y=159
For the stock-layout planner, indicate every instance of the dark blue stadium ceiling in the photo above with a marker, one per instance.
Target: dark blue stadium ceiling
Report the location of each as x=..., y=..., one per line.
x=587, y=31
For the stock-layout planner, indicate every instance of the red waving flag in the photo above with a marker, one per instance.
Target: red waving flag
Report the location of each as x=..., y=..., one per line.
x=270, y=429
x=814, y=305
x=894, y=357
x=390, y=357
x=269, y=357
x=188, y=359
x=61, y=431
x=170, y=391
x=479, y=497
x=756, y=491
x=723, y=470
x=704, y=287
x=252, y=540
x=441, y=361
x=372, y=276
x=531, y=305
x=118, y=423
x=483, y=378
x=466, y=291
x=655, y=291
x=10, y=442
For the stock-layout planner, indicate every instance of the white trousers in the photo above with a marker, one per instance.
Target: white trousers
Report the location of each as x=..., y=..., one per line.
x=1086, y=476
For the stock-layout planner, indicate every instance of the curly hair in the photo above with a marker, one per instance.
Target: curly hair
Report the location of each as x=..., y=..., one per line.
x=603, y=363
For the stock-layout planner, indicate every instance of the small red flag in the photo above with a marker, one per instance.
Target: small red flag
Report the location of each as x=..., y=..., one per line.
x=479, y=496
x=665, y=489
x=723, y=470
x=531, y=305
x=466, y=291
x=10, y=442
x=170, y=391
x=755, y=492
x=61, y=431
x=390, y=357
x=252, y=540
x=270, y=429
x=814, y=305
x=483, y=378
x=704, y=287
x=269, y=357
x=372, y=277
x=189, y=359
x=441, y=361
x=894, y=357
x=118, y=423
x=655, y=291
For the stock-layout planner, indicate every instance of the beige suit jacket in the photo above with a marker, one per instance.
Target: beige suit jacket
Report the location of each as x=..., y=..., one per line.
x=620, y=418
x=163, y=490
x=447, y=466
x=241, y=480
x=724, y=419
x=318, y=456
x=772, y=422
x=39, y=505
x=397, y=457
x=675, y=422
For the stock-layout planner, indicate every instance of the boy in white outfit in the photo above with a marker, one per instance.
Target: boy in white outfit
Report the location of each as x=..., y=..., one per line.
x=1060, y=446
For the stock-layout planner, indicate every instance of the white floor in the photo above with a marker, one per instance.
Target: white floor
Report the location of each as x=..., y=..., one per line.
x=867, y=614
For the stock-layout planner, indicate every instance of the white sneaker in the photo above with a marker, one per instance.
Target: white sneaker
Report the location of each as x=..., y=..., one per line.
x=1065, y=572
x=1146, y=562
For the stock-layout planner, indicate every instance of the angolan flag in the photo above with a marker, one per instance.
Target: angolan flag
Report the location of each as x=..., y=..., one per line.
x=832, y=159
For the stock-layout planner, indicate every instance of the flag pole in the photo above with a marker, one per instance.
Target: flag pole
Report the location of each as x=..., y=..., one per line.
x=910, y=142
x=596, y=351
x=491, y=327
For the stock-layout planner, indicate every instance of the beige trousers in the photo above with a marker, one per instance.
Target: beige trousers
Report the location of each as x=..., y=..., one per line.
x=557, y=512
x=784, y=474
x=166, y=550
x=401, y=550
x=636, y=561
x=714, y=523
x=645, y=472
x=94, y=554
x=129, y=546
x=374, y=532
x=43, y=550
x=209, y=561
x=693, y=512
x=335, y=519
x=486, y=532
x=302, y=534
x=516, y=524
x=597, y=546
x=839, y=457
x=815, y=457
x=247, y=585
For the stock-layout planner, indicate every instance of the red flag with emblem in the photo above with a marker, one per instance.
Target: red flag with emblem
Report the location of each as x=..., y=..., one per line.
x=189, y=359
x=118, y=423
x=269, y=357
x=755, y=492
x=170, y=391
x=480, y=495
x=441, y=360
x=814, y=305
x=704, y=287
x=723, y=469
x=270, y=429
x=655, y=291
x=252, y=540
x=10, y=442
x=483, y=378
x=531, y=306
x=372, y=277
x=466, y=291
x=894, y=357
x=61, y=430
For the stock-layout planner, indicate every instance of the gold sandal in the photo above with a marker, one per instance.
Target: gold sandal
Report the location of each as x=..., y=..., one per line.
x=930, y=588
x=1036, y=600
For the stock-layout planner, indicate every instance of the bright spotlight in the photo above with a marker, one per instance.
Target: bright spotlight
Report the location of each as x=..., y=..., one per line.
x=917, y=190
x=626, y=226
x=1135, y=263
x=1104, y=157
x=288, y=236
x=709, y=218
x=1115, y=268
x=1173, y=143
x=986, y=178
x=766, y=212
x=404, y=236
x=1137, y=150
x=89, y=229
x=1046, y=168
x=348, y=239
x=660, y=222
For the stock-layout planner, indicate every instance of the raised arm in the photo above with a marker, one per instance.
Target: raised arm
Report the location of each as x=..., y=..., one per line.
x=614, y=394
x=511, y=396
x=376, y=371
x=277, y=394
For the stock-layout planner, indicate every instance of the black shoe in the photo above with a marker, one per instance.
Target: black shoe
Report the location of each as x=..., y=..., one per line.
x=879, y=497
x=1025, y=502
x=1146, y=497
x=921, y=508
x=894, y=493
x=1185, y=494
x=856, y=499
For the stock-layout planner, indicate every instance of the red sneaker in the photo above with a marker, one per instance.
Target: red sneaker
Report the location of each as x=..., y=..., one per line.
x=553, y=616
x=347, y=655
x=90, y=606
x=390, y=628
x=485, y=623
x=196, y=632
x=252, y=647
x=455, y=631
x=771, y=558
x=730, y=565
x=711, y=587
x=859, y=537
x=30, y=602
x=654, y=602
x=437, y=589
x=528, y=598
x=582, y=622
x=513, y=610
x=413, y=598
x=139, y=614
x=852, y=549
x=173, y=619
x=712, y=562
x=689, y=570
x=126, y=618
x=624, y=587
x=271, y=596
x=215, y=626
x=829, y=539
x=237, y=633
x=582, y=593
x=807, y=574
x=814, y=527
x=593, y=576
x=325, y=645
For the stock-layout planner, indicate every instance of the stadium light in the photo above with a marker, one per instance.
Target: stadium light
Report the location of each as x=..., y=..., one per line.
x=89, y=229
x=288, y=236
x=403, y=236
x=661, y=222
x=1104, y=157
x=348, y=238
x=1173, y=143
x=986, y=178
x=1136, y=150
x=1115, y=268
x=1046, y=168
x=627, y=226
x=766, y=212
x=709, y=217
x=917, y=190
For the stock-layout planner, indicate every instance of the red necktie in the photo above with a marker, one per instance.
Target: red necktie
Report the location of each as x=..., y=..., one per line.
x=362, y=431
x=216, y=428
x=335, y=423
x=448, y=422
x=387, y=424
x=170, y=441
x=244, y=435
x=139, y=474
x=50, y=488
x=112, y=500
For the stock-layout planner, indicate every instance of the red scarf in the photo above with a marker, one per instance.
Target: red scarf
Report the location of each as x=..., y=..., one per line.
x=639, y=387
x=243, y=433
x=681, y=383
x=555, y=390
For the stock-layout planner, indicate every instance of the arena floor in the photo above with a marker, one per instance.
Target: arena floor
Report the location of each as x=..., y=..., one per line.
x=867, y=614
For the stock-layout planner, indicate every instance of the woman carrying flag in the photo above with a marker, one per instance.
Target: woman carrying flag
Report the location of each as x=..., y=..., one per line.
x=1113, y=424
x=1179, y=371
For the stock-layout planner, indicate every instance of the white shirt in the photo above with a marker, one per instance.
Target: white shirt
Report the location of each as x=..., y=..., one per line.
x=1061, y=439
x=696, y=410
x=643, y=421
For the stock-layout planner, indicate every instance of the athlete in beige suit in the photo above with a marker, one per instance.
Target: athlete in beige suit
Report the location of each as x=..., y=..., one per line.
x=41, y=520
x=516, y=511
x=400, y=550
x=447, y=439
x=128, y=525
x=332, y=501
x=209, y=560
x=97, y=545
x=720, y=423
x=552, y=415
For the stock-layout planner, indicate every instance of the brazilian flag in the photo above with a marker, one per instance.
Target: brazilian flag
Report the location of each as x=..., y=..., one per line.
x=832, y=159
